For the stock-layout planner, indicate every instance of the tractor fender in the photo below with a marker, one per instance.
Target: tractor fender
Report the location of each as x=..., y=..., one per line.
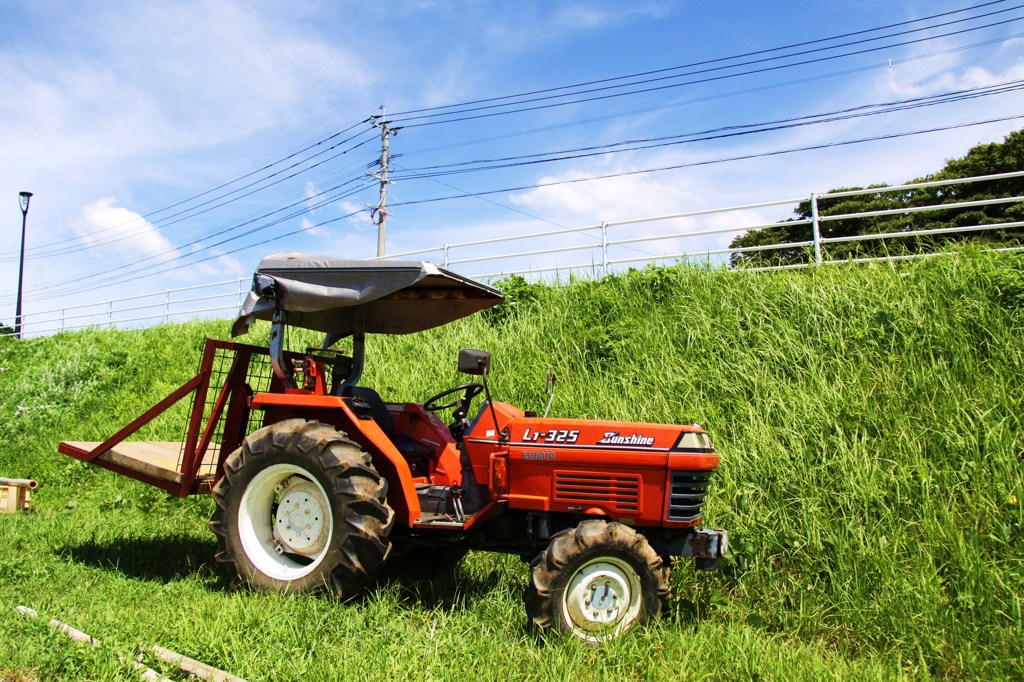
x=335, y=411
x=389, y=462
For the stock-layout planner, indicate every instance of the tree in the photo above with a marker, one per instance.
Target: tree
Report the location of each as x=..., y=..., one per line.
x=984, y=159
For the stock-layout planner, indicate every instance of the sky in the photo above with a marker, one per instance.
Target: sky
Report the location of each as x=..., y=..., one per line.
x=174, y=144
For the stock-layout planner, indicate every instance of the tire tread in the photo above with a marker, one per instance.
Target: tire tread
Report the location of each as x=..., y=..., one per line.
x=551, y=569
x=354, y=484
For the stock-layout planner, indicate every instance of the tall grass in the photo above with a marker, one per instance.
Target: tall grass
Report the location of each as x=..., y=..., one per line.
x=869, y=421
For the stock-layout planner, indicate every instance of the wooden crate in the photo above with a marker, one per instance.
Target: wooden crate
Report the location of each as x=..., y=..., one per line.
x=14, y=498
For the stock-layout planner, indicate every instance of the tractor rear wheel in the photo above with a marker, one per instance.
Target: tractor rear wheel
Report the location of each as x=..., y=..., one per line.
x=596, y=581
x=300, y=506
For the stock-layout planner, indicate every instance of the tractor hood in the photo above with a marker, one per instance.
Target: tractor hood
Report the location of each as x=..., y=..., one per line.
x=345, y=297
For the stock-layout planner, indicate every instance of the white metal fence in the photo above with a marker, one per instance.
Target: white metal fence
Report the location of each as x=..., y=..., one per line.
x=607, y=252
x=607, y=246
x=214, y=300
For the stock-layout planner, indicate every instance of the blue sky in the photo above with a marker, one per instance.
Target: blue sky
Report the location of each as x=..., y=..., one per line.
x=111, y=111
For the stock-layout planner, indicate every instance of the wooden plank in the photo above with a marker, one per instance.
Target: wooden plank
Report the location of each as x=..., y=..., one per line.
x=154, y=458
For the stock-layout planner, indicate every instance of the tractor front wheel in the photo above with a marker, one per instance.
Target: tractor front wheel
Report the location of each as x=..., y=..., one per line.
x=300, y=506
x=596, y=581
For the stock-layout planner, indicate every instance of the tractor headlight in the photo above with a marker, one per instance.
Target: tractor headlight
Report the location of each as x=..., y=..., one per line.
x=694, y=441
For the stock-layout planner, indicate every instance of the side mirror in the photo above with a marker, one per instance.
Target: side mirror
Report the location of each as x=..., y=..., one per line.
x=474, y=361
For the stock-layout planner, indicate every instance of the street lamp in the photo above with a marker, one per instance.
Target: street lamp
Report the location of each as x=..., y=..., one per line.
x=24, y=198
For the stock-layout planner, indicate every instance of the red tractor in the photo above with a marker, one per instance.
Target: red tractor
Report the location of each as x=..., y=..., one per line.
x=319, y=481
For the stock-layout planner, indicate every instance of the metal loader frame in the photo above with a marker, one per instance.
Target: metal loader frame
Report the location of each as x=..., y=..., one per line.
x=216, y=426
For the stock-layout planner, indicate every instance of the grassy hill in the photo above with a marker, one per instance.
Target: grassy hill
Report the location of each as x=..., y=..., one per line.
x=869, y=421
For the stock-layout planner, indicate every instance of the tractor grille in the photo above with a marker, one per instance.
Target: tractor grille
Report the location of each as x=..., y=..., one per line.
x=687, y=494
x=621, y=491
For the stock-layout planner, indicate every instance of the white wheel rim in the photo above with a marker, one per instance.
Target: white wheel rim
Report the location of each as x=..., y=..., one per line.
x=301, y=525
x=603, y=599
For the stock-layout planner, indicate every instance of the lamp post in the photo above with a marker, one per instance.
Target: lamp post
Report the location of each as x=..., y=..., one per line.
x=24, y=198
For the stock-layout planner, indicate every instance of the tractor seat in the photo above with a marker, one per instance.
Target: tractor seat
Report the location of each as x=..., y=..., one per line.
x=407, y=446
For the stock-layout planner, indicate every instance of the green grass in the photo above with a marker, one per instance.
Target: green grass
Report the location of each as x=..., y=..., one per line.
x=869, y=421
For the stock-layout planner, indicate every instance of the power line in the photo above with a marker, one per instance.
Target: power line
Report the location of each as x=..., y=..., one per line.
x=708, y=98
x=525, y=213
x=401, y=118
x=860, y=111
x=716, y=133
x=323, y=198
x=228, y=183
x=195, y=210
x=451, y=112
x=700, y=63
x=484, y=199
x=36, y=251
x=96, y=280
x=550, y=184
x=709, y=79
x=232, y=251
x=729, y=131
x=612, y=175
x=710, y=162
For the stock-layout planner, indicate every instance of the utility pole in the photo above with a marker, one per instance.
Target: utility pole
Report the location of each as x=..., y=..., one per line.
x=381, y=210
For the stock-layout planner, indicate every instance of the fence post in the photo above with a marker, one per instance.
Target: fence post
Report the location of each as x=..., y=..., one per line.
x=167, y=305
x=815, y=229
x=62, y=319
x=110, y=314
x=238, y=292
x=446, y=255
x=604, y=249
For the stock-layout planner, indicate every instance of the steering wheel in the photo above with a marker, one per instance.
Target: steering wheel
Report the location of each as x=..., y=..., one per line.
x=471, y=391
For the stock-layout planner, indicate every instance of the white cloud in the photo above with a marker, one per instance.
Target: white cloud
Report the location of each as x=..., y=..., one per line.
x=588, y=16
x=349, y=244
x=641, y=196
x=447, y=82
x=221, y=265
x=227, y=67
x=153, y=78
x=627, y=196
x=108, y=229
x=361, y=217
x=529, y=24
x=150, y=102
x=905, y=86
x=312, y=194
x=312, y=229
x=1013, y=44
x=476, y=40
x=153, y=102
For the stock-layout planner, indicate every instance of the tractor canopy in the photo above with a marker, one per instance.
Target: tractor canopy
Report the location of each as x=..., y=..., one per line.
x=353, y=297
